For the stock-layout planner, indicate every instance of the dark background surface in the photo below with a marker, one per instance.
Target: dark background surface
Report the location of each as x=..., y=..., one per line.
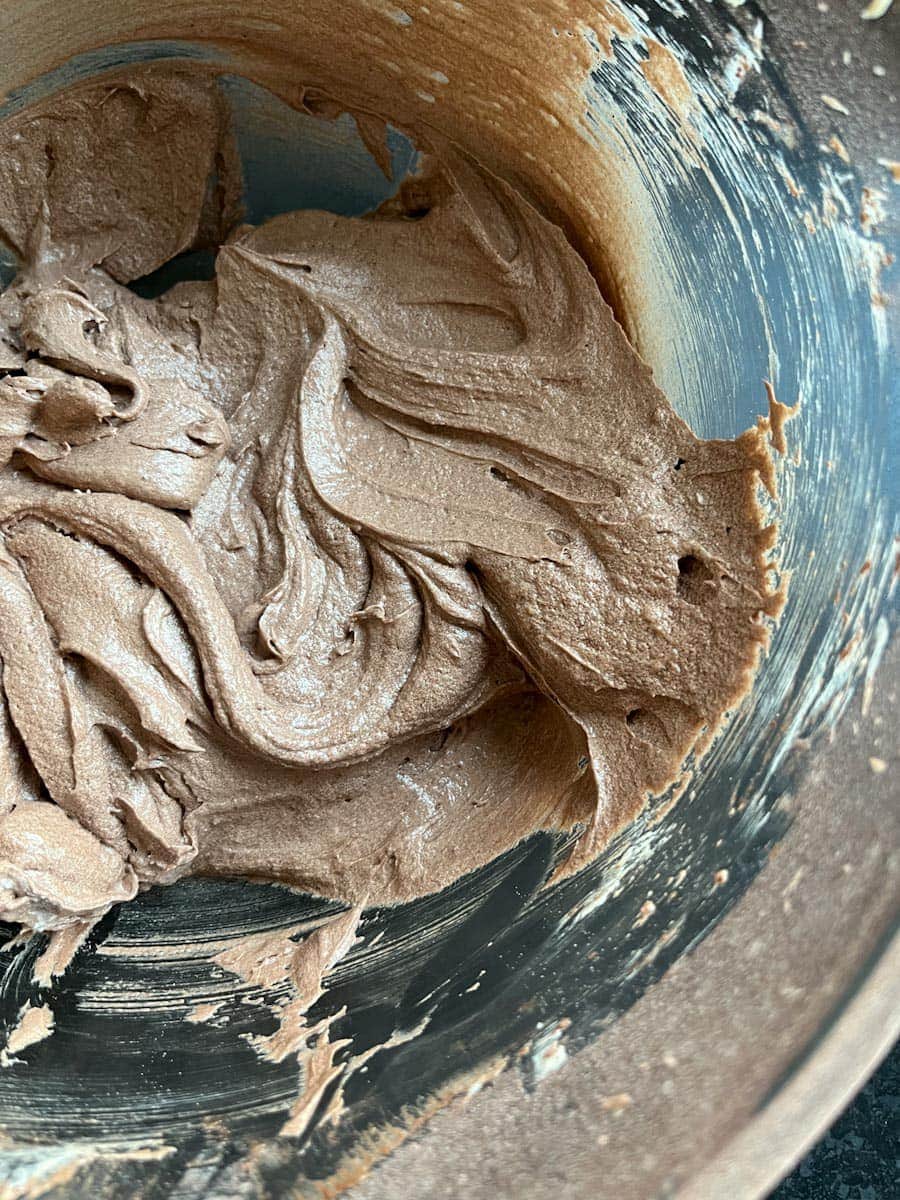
x=859, y=1157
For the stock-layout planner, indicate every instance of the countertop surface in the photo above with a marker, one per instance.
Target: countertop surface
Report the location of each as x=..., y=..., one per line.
x=859, y=1157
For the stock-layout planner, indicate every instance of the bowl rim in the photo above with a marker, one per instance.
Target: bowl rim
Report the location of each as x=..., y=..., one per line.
x=861, y=1035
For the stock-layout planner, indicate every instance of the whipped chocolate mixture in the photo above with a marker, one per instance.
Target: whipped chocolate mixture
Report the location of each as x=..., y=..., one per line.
x=351, y=566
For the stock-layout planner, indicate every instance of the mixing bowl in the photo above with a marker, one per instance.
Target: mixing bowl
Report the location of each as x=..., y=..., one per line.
x=725, y=169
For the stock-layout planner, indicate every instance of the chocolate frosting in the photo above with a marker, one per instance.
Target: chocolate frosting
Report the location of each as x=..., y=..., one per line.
x=351, y=566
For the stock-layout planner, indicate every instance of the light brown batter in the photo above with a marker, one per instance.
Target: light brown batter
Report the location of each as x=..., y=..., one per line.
x=352, y=566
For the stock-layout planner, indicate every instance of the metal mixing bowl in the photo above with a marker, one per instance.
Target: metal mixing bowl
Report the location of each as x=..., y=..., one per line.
x=745, y=249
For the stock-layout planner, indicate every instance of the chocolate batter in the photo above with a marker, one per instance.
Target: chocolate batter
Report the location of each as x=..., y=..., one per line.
x=351, y=566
